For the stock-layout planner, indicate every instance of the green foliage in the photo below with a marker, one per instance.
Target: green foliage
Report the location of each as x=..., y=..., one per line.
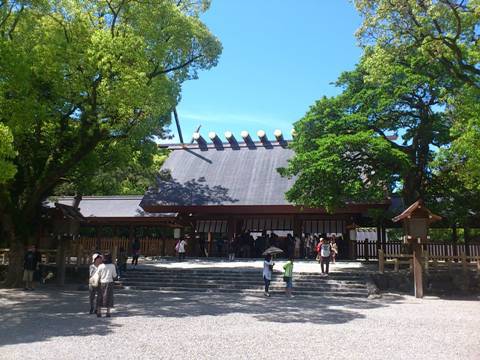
x=86, y=87
x=343, y=153
x=7, y=154
x=446, y=33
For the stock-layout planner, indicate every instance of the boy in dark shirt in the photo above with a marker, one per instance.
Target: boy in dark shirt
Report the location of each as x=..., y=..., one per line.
x=30, y=265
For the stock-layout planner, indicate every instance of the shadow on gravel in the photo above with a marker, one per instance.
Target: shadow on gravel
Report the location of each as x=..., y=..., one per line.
x=27, y=317
x=277, y=309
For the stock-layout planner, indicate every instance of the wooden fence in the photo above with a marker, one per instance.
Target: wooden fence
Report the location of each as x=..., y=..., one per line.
x=429, y=261
x=368, y=250
x=80, y=250
x=149, y=246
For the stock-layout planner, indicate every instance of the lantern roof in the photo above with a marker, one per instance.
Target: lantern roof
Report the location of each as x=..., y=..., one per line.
x=417, y=210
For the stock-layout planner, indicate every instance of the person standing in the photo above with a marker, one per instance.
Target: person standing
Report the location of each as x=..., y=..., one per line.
x=122, y=261
x=334, y=248
x=30, y=265
x=107, y=274
x=325, y=251
x=232, y=248
x=308, y=246
x=181, y=249
x=288, y=276
x=201, y=243
x=135, y=252
x=94, y=281
x=267, y=273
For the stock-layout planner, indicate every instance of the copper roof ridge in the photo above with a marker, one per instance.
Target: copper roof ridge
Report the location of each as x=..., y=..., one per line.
x=227, y=145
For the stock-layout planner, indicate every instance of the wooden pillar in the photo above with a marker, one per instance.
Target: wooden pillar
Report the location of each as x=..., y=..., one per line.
x=231, y=228
x=466, y=232
x=379, y=237
x=297, y=232
x=61, y=261
x=384, y=238
x=381, y=261
x=365, y=249
x=417, y=270
x=209, y=242
x=454, y=241
x=97, y=238
x=131, y=237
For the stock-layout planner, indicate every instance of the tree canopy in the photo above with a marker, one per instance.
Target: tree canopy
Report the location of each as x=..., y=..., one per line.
x=417, y=81
x=446, y=33
x=85, y=88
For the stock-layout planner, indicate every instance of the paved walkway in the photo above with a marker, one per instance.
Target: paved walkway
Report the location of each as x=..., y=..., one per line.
x=52, y=324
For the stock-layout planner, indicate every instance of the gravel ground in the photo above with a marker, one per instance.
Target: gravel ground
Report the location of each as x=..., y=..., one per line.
x=52, y=324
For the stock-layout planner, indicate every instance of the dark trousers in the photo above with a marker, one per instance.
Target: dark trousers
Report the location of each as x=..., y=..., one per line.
x=267, y=284
x=181, y=256
x=135, y=259
x=93, y=291
x=325, y=263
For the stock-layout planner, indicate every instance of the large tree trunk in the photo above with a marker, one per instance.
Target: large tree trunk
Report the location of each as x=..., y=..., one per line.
x=17, y=239
x=15, y=264
x=411, y=188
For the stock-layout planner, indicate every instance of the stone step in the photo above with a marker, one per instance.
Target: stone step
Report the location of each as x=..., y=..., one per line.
x=258, y=291
x=323, y=282
x=237, y=275
x=234, y=271
x=244, y=285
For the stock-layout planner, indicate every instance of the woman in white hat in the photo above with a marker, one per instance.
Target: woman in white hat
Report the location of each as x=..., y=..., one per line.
x=94, y=281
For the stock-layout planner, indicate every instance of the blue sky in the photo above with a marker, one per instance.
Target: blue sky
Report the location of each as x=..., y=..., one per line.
x=279, y=56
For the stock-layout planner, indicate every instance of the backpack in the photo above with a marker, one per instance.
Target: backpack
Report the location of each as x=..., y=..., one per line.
x=177, y=246
x=319, y=247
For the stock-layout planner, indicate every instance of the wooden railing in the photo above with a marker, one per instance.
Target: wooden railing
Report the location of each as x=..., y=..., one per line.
x=79, y=251
x=428, y=260
x=149, y=246
x=368, y=250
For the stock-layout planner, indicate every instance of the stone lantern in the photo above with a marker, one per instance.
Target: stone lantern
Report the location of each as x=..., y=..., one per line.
x=416, y=220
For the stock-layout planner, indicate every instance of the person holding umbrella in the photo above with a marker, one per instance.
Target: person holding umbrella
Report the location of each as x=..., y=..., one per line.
x=267, y=273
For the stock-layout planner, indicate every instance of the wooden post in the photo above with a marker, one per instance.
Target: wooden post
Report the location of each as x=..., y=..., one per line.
x=379, y=237
x=365, y=249
x=114, y=254
x=466, y=233
x=396, y=265
x=381, y=261
x=417, y=270
x=455, y=243
x=426, y=260
x=464, y=262
x=449, y=263
x=60, y=260
x=352, y=249
x=209, y=242
x=384, y=238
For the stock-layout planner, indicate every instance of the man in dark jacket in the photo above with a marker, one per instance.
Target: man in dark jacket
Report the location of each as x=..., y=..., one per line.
x=30, y=265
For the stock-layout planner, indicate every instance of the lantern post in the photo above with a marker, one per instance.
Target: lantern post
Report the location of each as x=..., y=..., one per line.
x=416, y=220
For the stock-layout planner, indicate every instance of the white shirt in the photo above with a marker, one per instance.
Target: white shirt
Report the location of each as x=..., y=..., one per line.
x=325, y=250
x=267, y=273
x=107, y=273
x=93, y=269
x=181, y=246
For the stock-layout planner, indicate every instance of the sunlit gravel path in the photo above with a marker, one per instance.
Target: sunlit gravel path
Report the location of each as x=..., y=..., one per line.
x=52, y=324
